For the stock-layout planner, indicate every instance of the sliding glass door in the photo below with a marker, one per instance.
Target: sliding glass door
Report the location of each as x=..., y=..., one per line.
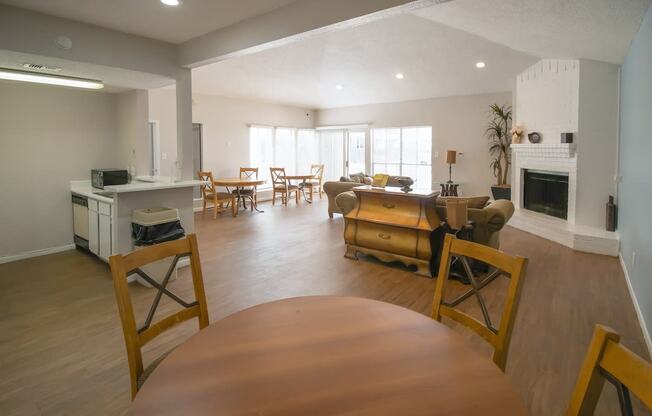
x=331, y=149
x=356, y=157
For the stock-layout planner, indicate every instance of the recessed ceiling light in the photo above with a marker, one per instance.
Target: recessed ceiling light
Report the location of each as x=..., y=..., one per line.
x=25, y=76
x=480, y=64
x=339, y=86
x=171, y=2
x=399, y=76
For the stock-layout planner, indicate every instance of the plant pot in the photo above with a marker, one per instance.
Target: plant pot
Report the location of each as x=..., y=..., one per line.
x=502, y=192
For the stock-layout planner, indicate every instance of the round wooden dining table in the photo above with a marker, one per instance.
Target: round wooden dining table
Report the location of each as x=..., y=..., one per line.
x=239, y=184
x=302, y=185
x=326, y=355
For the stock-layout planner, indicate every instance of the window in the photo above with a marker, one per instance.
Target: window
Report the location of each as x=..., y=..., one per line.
x=285, y=150
x=356, y=161
x=261, y=150
x=307, y=149
x=404, y=151
x=331, y=148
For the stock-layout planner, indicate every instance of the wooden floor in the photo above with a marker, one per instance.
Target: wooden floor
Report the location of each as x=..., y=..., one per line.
x=61, y=346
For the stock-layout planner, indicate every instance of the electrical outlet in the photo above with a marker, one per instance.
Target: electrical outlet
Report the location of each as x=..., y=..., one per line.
x=633, y=258
x=164, y=156
x=436, y=155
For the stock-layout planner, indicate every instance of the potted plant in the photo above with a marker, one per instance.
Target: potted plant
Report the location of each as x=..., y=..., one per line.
x=499, y=135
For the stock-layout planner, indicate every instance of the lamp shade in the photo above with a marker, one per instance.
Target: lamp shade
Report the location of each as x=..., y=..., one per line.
x=451, y=157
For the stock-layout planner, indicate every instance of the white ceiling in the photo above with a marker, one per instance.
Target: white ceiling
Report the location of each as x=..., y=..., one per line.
x=436, y=60
x=152, y=19
x=591, y=29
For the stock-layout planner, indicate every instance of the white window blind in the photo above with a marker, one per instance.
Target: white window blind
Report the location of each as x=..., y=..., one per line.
x=405, y=151
x=261, y=150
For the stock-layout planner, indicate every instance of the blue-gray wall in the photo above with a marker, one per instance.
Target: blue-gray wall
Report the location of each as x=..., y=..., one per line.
x=635, y=165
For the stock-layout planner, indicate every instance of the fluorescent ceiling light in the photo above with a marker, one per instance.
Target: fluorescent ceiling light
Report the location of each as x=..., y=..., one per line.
x=12, y=75
x=399, y=76
x=339, y=86
x=480, y=64
x=170, y=2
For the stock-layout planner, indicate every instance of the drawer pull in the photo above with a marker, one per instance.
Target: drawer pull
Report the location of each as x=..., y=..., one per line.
x=384, y=236
x=388, y=205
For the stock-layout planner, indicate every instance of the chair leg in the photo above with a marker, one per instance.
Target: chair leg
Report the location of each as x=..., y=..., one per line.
x=273, y=197
x=310, y=194
x=320, y=191
x=296, y=194
x=234, y=207
x=215, y=208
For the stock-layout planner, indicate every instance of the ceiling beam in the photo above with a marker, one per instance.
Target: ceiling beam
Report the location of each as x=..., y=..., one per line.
x=289, y=23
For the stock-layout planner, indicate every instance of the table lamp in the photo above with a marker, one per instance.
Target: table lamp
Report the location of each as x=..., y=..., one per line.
x=451, y=158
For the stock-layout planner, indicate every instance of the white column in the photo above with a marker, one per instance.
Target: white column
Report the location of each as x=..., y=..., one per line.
x=184, y=123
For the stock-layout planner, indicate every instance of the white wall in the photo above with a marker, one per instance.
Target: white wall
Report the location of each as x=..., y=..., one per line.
x=132, y=114
x=225, y=127
x=458, y=123
x=48, y=137
x=547, y=98
x=597, y=141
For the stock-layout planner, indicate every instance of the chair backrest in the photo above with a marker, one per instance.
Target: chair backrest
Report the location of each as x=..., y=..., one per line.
x=123, y=266
x=317, y=171
x=503, y=263
x=278, y=177
x=246, y=173
x=607, y=359
x=208, y=188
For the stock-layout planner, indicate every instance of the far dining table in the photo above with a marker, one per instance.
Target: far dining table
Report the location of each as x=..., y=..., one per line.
x=302, y=186
x=326, y=355
x=239, y=184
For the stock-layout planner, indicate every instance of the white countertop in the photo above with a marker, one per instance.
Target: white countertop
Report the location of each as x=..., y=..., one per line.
x=152, y=186
x=84, y=188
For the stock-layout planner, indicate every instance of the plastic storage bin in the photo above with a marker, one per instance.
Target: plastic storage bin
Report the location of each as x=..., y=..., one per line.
x=153, y=226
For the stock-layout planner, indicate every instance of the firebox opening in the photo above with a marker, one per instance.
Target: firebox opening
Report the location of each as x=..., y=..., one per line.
x=546, y=192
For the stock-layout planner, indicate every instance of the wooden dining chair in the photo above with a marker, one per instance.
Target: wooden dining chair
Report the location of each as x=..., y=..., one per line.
x=281, y=185
x=216, y=199
x=316, y=184
x=455, y=250
x=609, y=360
x=251, y=191
x=135, y=337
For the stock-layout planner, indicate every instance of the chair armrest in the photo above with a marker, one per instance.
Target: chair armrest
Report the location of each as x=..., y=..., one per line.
x=498, y=214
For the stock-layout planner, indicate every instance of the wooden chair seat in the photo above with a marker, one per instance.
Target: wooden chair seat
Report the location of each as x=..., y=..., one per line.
x=247, y=191
x=219, y=195
x=283, y=188
x=142, y=378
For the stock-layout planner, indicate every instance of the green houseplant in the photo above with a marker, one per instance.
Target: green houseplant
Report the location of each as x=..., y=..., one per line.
x=500, y=138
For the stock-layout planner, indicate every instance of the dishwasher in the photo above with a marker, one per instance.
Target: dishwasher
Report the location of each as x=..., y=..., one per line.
x=80, y=220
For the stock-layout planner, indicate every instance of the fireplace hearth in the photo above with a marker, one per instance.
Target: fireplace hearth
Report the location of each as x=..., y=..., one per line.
x=546, y=192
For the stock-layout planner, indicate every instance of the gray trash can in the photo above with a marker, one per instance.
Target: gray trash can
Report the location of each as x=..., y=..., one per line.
x=152, y=226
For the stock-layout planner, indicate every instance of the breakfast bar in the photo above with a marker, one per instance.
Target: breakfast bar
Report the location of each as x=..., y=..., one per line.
x=110, y=210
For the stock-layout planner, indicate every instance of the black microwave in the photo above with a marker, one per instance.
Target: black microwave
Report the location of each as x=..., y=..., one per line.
x=108, y=177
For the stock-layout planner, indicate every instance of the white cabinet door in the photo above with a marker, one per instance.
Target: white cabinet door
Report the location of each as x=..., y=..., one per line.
x=93, y=232
x=105, y=236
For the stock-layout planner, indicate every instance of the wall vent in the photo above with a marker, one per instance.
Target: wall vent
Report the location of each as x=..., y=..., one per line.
x=37, y=67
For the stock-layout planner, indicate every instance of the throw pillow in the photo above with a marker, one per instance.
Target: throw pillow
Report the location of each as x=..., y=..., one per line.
x=474, y=202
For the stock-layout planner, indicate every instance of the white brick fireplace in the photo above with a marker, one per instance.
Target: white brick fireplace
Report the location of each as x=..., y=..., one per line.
x=569, y=96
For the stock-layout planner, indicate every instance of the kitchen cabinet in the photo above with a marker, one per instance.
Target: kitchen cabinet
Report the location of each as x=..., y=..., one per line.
x=100, y=236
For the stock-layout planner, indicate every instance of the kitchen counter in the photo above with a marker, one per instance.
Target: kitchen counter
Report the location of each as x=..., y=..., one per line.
x=84, y=188
x=137, y=186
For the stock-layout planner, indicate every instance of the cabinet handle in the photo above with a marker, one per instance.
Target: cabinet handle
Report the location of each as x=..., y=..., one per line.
x=384, y=236
x=388, y=205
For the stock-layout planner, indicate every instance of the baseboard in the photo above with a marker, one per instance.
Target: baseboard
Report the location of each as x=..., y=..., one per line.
x=36, y=253
x=639, y=314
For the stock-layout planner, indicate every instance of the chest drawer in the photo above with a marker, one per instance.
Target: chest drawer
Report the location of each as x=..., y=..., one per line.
x=397, y=240
x=391, y=208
